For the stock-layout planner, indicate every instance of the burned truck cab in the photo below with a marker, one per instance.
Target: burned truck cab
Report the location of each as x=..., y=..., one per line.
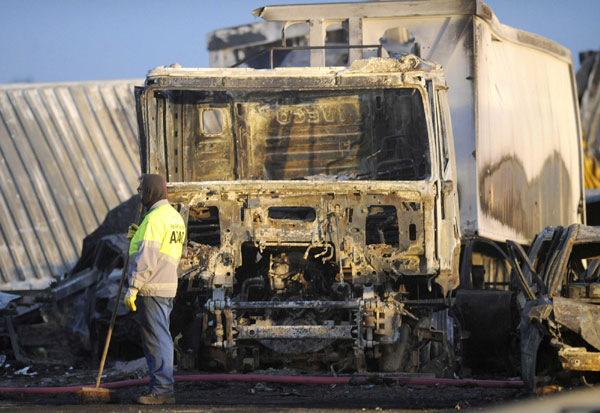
x=321, y=211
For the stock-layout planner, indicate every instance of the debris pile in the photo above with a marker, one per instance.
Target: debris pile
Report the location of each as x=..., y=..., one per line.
x=65, y=324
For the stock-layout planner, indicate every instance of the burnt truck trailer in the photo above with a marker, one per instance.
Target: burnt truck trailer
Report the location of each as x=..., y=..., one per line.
x=328, y=207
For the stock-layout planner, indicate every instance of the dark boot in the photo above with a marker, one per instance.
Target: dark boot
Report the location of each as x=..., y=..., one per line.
x=152, y=398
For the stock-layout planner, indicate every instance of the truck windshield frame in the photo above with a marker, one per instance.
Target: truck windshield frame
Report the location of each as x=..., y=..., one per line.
x=342, y=134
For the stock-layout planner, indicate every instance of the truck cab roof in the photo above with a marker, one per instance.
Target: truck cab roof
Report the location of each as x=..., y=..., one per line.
x=373, y=72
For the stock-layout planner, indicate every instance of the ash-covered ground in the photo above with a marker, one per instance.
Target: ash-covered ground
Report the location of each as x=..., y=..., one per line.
x=379, y=394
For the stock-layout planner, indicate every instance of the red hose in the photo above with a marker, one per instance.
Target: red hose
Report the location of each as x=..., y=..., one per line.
x=275, y=379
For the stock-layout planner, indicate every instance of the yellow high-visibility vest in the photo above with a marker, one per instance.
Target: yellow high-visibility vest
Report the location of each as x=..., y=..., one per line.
x=155, y=250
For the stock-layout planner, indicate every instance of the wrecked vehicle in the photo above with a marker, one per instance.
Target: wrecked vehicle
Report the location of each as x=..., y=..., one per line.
x=315, y=203
x=559, y=283
x=322, y=203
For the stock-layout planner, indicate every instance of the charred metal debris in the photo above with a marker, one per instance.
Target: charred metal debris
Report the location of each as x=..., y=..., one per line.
x=542, y=326
x=307, y=202
x=322, y=209
x=559, y=293
x=291, y=305
x=311, y=283
x=66, y=323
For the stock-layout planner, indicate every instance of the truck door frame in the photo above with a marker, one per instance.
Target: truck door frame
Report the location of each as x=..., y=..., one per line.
x=447, y=212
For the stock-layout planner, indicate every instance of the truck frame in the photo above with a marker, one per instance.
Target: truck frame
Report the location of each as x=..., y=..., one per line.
x=322, y=203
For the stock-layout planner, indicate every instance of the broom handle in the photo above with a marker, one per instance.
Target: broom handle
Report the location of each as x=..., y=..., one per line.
x=114, y=314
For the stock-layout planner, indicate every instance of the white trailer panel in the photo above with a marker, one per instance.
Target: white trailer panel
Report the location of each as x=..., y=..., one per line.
x=528, y=154
x=513, y=105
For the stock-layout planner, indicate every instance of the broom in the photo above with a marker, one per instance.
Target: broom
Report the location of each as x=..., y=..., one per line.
x=98, y=394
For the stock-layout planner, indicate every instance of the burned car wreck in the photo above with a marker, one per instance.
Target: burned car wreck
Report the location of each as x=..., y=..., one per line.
x=310, y=197
x=558, y=300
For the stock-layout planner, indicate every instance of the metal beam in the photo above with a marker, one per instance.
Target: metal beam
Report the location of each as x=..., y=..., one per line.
x=317, y=39
x=369, y=10
x=294, y=332
x=355, y=37
x=279, y=305
x=579, y=359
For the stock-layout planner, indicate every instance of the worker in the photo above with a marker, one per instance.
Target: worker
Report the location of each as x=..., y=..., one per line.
x=154, y=254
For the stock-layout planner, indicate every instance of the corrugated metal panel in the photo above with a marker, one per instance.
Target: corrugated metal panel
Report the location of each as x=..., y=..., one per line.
x=68, y=154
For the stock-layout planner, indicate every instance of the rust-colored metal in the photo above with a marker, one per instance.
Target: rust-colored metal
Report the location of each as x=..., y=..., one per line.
x=579, y=359
x=228, y=328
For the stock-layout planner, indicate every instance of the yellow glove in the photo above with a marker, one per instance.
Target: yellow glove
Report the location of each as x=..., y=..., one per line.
x=130, y=299
x=131, y=231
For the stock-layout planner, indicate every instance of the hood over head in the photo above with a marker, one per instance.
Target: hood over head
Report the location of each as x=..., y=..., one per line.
x=153, y=188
